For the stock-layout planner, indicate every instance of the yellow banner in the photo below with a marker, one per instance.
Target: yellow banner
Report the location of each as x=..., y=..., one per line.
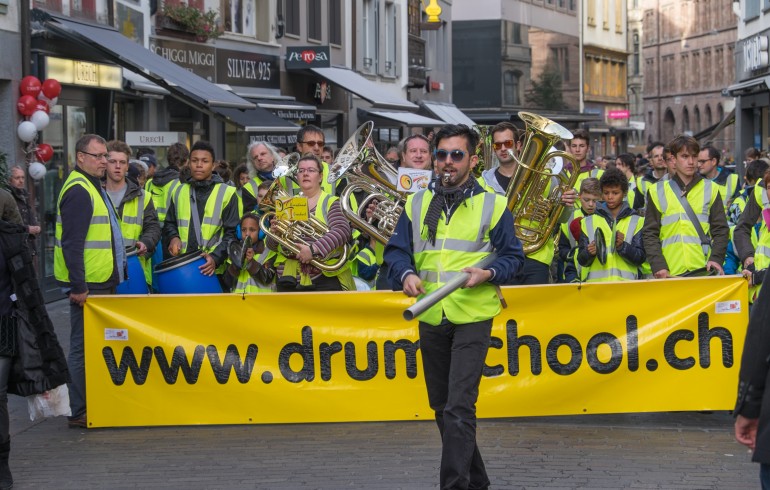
x=328, y=357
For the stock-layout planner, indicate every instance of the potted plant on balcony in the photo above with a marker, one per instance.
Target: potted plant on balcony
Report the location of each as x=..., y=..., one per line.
x=203, y=25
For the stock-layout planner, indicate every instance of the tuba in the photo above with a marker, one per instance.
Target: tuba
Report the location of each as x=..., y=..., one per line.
x=368, y=173
x=292, y=234
x=536, y=215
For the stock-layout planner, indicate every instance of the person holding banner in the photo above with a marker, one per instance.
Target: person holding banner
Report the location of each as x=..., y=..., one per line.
x=685, y=229
x=203, y=213
x=445, y=230
x=89, y=256
x=752, y=408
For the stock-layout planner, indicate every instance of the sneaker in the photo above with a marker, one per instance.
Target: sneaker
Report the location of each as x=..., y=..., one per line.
x=77, y=422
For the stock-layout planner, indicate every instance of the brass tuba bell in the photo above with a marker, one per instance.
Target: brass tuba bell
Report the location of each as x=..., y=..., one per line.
x=369, y=174
x=536, y=213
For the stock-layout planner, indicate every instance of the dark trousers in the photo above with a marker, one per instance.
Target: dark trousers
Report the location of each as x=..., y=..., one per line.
x=764, y=476
x=533, y=272
x=453, y=358
x=320, y=283
x=76, y=360
x=5, y=372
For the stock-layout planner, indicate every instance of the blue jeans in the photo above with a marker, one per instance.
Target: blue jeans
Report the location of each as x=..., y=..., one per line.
x=76, y=360
x=453, y=358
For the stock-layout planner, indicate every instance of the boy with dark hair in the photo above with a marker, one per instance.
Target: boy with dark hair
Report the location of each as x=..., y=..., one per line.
x=622, y=234
x=709, y=168
x=569, y=232
x=626, y=163
x=578, y=147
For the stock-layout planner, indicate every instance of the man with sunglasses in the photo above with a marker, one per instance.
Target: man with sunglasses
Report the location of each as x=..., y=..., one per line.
x=444, y=230
x=505, y=140
x=311, y=139
x=89, y=256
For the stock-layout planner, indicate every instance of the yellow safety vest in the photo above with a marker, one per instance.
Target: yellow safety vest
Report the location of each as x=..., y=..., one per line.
x=131, y=224
x=252, y=187
x=680, y=242
x=98, y=256
x=616, y=268
x=594, y=172
x=212, y=229
x=292, y=188
x=247, y=284
x=161, y=197
x=728, y=189
x=463, y=242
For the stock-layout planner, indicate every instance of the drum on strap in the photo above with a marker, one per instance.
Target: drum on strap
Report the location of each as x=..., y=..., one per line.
x=180, y=275
x=135, y=283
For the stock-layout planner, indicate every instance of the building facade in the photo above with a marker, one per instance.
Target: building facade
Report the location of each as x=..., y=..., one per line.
x=635, y=88
x=689, y=58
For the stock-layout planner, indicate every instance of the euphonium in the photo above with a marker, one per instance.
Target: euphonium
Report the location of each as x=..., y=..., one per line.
x=536, y=214
x=291, y=234
x=369, y=174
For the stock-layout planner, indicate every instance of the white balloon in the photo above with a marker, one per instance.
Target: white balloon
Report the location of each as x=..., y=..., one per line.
x=37, y=170
x=40, y=119
x=53, y=102
x=27, y=131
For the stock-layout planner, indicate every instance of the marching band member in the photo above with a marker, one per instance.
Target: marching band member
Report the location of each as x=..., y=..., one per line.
x=256, y=274
x=708, y=167
x=626, y=163
x=443, y=230
x=263, y=158
x=578, y=148
x=537, y=264
x=685, y=227
x=622, y=227
x=295, y=272
x=311, y=139
x=203, y=213
x=569, y=232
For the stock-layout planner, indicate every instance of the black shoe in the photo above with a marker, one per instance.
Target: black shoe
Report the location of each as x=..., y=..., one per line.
x=77, y=422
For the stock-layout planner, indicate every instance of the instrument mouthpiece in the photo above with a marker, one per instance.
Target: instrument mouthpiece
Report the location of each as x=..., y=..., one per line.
x=445, y=178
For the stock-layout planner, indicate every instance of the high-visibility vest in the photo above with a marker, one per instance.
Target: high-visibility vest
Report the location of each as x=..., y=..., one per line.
x=252, y=187
x=131, y=224
x=680, y=242
x=98, y=256
x=762, y=243
x=594, y=172
x=565, y=229
x=463, y=242
x=212, y=229
x=727, y=189
x=345, y=276
x=616, y=268
x=161, y=197
x=247, y=284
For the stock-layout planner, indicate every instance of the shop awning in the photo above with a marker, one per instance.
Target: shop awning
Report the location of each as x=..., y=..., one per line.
x=140, y=84
x=756, y=84
x=257, y=120
x=355, y=83
x=449, y=113
x=407, y=118
x=710, y=133
x=128, y=54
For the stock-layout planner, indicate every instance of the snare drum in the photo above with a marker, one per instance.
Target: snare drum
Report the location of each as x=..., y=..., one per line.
x=180, y=275
x=136, y=283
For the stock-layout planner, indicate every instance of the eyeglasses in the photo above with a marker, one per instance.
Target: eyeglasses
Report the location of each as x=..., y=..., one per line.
x=705, y=161
x=507, y=143
x=98, y=156
x=441, y=155
x=312, y=143
x=307, y=171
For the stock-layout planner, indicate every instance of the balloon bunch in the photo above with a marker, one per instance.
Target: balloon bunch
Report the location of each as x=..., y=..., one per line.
x=35, y=104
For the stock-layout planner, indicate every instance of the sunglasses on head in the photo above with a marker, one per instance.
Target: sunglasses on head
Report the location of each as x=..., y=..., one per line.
x=507, y=143
x=456, y=155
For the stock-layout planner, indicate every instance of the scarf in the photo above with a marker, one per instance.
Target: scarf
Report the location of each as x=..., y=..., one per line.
x=445, y=198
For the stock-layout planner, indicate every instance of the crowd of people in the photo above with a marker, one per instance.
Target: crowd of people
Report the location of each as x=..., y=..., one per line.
x=686, y=214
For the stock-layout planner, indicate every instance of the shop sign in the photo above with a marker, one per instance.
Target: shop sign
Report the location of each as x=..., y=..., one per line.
x=618, y=114
x=294, y=114
x=154, y=138
x=322, y=91
x=303, y=57
x=197, y=58
x=752, y=56
x=245, y=69
x=85, y=73
x=275, y=139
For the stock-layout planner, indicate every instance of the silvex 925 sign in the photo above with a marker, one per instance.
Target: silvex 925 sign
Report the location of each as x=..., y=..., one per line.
x=302, y=57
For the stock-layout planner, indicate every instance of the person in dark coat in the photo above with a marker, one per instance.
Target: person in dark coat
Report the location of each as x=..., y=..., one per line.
x=27, y=211
x=752, y=410
x=31, y=359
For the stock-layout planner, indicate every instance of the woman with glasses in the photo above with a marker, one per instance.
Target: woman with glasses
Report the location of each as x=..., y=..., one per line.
x=295, y=272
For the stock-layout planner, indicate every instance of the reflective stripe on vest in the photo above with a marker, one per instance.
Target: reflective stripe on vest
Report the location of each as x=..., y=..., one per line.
x=616, y=267
x=132, y=221
x=211, y=232
x=247, y=284
x=98, y=255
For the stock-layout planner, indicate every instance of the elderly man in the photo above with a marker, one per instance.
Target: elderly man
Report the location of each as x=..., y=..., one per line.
x=263, y=158
x=26, y=209
x=89, y=255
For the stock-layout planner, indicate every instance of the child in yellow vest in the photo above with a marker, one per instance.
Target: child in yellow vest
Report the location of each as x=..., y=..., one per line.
x=622, y=234
x=569, y=232
x=256, y=274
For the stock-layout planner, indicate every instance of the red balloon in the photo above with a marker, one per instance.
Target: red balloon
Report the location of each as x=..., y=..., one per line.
x=26, y=105
x=44, y=152
x=51, y=88
x=30, y=86
x=42, y=105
